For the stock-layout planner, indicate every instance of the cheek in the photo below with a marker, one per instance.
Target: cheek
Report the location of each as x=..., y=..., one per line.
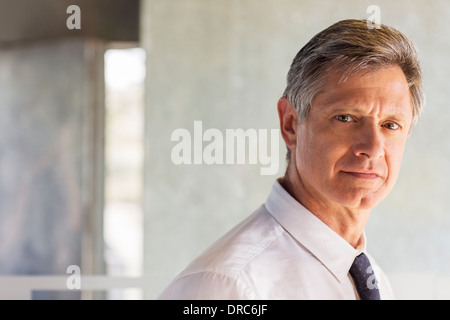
x=318, y=155
x=394, y=159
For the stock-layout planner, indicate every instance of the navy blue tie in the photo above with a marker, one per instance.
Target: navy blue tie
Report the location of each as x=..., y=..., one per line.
x=364, y=278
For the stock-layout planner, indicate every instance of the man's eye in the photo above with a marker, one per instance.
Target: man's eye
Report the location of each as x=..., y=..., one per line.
x=391, y=126
x=343, y=118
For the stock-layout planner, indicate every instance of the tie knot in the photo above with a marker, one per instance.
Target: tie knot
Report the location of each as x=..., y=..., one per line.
x=364, y=277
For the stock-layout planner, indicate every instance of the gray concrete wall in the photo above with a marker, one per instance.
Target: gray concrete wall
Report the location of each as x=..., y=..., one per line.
x=224, y=63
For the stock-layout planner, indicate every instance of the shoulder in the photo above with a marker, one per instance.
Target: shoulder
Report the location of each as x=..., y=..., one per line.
x=239, y=246
x=222, y=269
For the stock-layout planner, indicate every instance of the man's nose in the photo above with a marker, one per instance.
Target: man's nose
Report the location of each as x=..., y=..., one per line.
x=369, y=142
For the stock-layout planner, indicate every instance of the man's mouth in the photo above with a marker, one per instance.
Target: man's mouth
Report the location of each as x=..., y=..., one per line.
x=369, y=175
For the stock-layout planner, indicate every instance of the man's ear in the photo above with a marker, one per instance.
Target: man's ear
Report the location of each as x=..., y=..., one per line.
x=288, y=122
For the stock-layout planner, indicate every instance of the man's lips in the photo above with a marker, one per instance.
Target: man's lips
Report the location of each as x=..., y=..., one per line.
x=370, y=175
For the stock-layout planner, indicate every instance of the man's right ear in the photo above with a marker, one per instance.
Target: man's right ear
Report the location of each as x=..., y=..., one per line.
x=288, y=122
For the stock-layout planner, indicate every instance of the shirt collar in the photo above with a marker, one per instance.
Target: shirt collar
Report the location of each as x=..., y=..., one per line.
x=335, y=253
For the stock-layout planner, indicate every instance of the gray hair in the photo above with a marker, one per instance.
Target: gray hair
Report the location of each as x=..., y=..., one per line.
x=350, y=46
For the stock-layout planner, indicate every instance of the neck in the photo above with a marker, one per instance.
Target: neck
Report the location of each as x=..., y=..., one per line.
x=349, y=223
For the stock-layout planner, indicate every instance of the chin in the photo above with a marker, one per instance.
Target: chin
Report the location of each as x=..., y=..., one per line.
x=362, y=201
x=366, y=204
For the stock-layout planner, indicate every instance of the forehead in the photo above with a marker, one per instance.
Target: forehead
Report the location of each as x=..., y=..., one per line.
x=387, y=86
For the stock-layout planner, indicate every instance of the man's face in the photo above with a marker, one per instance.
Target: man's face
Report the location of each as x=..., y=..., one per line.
x=350, y=147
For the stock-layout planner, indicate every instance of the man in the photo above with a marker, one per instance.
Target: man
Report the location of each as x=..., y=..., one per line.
x=353, y=95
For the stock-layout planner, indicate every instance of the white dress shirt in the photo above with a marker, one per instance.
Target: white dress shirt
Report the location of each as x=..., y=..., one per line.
x=281, y=251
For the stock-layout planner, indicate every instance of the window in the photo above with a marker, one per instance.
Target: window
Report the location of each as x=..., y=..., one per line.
x=124, y=154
